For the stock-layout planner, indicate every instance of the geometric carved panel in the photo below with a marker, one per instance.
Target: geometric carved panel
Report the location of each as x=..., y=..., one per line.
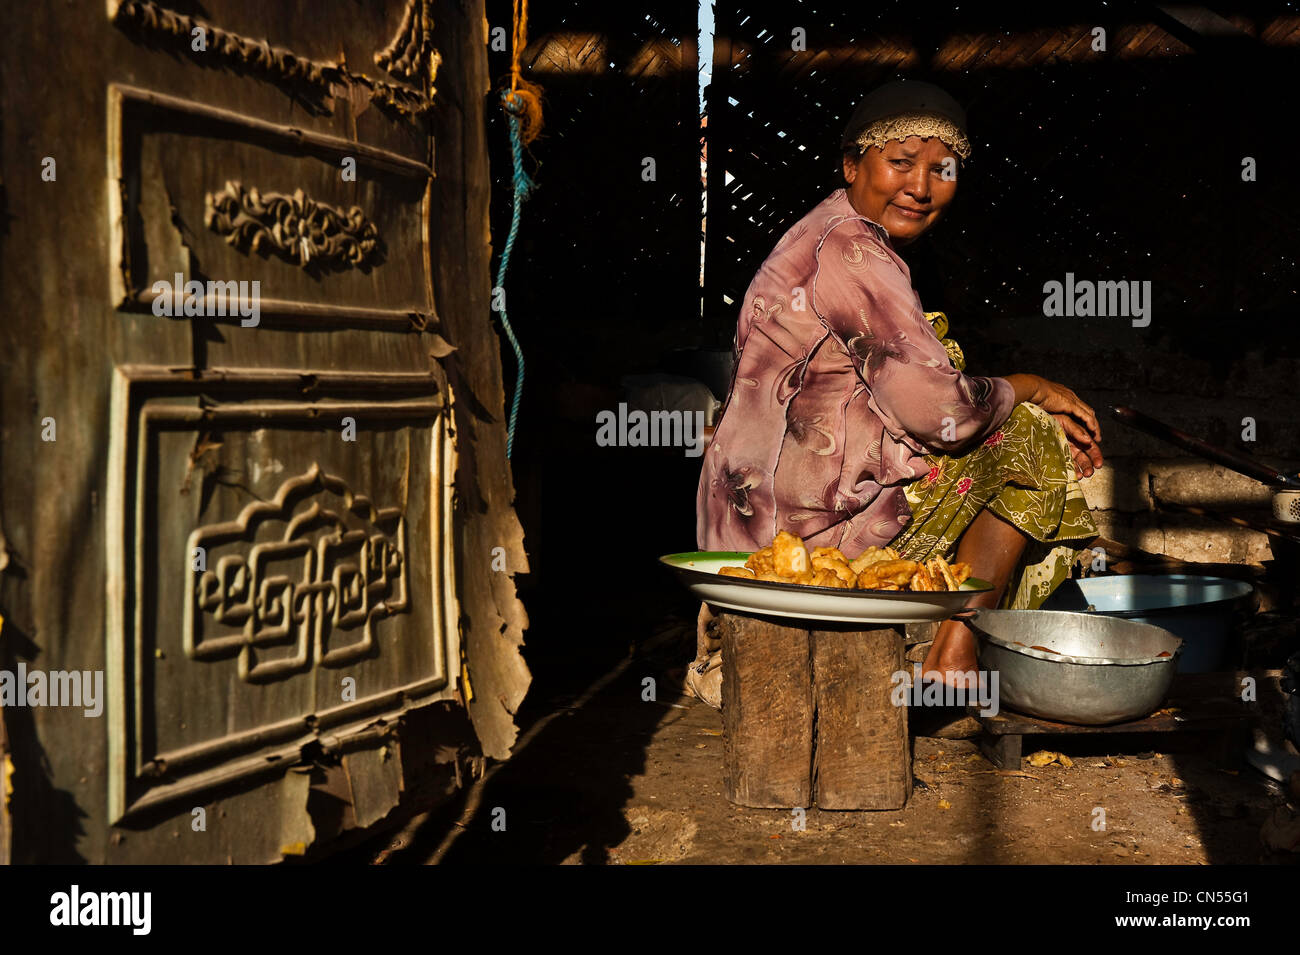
x=323, y=597
x=309, y=576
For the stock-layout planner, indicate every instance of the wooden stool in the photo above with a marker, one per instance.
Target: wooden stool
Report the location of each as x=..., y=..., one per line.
x=807, y=716
x=1203, y=703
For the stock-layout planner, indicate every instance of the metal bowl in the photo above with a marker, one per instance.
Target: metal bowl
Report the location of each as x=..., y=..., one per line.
x=1199, y=609
x=1093, y=669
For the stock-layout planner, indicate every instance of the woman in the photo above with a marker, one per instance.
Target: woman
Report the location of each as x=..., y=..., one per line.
x=850, y=421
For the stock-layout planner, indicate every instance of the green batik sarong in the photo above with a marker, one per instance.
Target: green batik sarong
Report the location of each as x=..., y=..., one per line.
x=1024, y=473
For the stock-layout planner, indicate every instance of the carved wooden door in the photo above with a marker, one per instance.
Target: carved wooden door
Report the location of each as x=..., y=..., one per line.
x=229, y=449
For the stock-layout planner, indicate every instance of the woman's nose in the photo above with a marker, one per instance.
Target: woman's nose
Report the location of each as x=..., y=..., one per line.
x=918, y=185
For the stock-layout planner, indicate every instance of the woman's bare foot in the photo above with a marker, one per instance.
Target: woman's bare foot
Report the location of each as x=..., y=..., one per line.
x=704, y=673
x=952, y=657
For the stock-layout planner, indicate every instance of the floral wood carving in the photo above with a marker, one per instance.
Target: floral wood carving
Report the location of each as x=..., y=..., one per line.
x=164, y=25
x=297, y=228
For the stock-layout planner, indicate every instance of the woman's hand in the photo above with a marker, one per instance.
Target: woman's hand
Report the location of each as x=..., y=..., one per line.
x=1083, y=448
x=1077, y=419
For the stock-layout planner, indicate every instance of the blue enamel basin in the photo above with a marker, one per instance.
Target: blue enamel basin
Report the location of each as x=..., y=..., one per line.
x=1198, y=609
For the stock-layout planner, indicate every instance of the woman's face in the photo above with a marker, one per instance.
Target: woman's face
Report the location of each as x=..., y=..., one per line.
x=902, y=186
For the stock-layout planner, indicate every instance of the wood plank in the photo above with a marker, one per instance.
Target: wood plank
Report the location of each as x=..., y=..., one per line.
x=494, y=619
x=374, y=778
x=863, y=757
x=1204, y=701
x=1203, y=716
x=1002, y=751
x=767, y=712
x=4, y=789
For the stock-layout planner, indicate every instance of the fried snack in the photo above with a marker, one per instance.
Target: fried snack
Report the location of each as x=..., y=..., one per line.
x=868, y=557
x=895, y=571
x=760, y=562
x=736, y=572
x=922, y=581
x=940, y=569
x=893, y=576
x=833, y=552
x=788, y=561
x=839, y=568
x=790, y=556
x=865, y=559
x=888, y=575
x=872, y=555
x=828, y=578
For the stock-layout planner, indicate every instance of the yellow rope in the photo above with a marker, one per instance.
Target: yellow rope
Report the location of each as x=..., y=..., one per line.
x=525, y=98
x=518, y=41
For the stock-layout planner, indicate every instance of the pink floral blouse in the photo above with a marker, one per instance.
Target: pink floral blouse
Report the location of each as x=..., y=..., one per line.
x=840, y=388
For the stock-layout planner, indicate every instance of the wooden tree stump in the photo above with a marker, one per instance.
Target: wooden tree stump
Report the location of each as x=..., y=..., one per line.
x=767, y=712
x=807, y=716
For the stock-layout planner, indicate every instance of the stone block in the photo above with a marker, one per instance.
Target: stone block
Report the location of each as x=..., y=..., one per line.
x=1206, y=485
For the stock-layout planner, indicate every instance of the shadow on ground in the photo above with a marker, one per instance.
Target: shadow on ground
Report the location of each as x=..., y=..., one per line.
x=562, y=795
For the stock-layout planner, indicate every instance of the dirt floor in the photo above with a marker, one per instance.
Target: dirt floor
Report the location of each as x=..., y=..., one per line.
x=604, y=776
x=962, y=810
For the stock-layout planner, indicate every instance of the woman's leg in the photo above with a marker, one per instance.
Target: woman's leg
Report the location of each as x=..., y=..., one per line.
x=705, y=642
x=992, y=547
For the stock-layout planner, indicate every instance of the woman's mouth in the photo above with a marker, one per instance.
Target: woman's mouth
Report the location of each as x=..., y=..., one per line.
x=907, y=213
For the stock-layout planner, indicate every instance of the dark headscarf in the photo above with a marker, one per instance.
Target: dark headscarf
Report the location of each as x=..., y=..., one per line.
x=907, y=108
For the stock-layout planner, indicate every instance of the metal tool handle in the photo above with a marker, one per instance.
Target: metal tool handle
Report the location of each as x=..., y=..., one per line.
x=1241, y=463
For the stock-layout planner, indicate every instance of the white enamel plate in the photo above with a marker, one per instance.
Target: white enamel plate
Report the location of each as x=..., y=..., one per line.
x=698, y=570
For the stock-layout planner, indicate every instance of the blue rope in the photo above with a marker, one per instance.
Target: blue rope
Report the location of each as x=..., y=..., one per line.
x=523, y=186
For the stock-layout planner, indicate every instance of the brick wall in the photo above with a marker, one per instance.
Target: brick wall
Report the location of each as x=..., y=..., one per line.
x=1134, y=496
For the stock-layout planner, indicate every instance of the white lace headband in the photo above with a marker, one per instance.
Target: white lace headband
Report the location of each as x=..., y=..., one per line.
x=925, y=125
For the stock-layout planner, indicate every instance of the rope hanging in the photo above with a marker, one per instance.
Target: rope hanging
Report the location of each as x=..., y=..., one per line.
x=523, y=108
